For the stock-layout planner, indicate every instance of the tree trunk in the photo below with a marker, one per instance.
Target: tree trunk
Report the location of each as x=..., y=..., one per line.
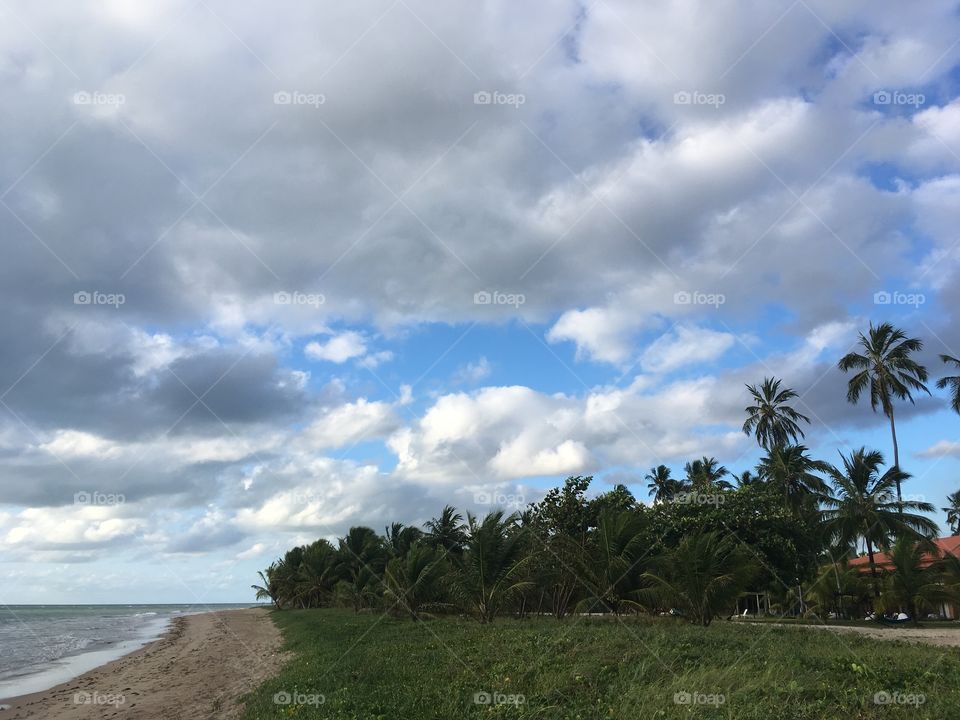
x=896, y=458
x=873, y=571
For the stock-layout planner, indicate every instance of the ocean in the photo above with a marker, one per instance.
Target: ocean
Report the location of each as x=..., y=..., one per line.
x=44, y=645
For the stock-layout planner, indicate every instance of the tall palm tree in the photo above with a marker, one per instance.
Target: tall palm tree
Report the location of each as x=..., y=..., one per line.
x=770, y=419
x=702, y=576
x=953, y=381
x=447, y=531
x=793, y=470
x=706, y=474
x=862, y=506
x=660, y=484
x=884, y=366
x=953, y=512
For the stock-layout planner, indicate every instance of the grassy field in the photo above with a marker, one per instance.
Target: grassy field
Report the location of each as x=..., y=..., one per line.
x=368, y=667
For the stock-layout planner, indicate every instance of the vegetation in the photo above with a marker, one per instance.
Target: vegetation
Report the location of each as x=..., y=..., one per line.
x=346, y=666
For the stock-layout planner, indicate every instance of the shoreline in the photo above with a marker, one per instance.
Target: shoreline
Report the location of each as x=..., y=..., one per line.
x=199, y=667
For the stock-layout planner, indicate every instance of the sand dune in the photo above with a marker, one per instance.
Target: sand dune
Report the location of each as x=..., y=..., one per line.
x=199, y=669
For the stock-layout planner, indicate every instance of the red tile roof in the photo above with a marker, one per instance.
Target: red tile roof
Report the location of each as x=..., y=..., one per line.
x=945, y=545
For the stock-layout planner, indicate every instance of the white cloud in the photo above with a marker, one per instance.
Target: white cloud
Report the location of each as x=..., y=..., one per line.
x=338, y=349
x=685, y=345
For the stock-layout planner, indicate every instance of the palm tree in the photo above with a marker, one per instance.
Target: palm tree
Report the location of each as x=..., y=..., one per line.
x=747, y=478
x=362, y=559
x=317, y=575
x=488, y=572
x=413, y=580
x=614, y=553
x=770, y=419
x=270, y=588
x=400, y=538
x=953, y=381
x=953, y=512
x=706, y=474
x=702, y=576
x=447, y=531
x=886, y=368
x=792, y=469
x=862, y=506
x=660, y=484
x=913, y=583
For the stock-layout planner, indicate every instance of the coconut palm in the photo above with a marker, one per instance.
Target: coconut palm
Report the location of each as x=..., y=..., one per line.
x=953, y=512
x=885, y=368
x=772, y=421
x=488, y=573
x=790, y=468
x=862, y=506
x=317, y=575
x=951, y=381
x=702, y=576
x=706, y=474
x=660, y=484
x=413, y=580
x=913, y=583
x=399, y=538
x=270, y=589
x=614, y=554
x=447, y=531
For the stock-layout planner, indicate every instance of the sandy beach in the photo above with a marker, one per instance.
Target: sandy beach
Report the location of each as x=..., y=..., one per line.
x=941, y=636
x=199, y=669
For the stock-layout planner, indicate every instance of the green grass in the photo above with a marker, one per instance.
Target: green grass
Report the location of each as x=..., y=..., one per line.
x=368, y=667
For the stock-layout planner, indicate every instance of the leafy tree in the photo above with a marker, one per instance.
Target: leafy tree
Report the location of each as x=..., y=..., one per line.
x=488, y=572
x=953, y=512
x=951, y=381
x=702, y=576
x=885, y=369
x=772, y=421
x=862, y=506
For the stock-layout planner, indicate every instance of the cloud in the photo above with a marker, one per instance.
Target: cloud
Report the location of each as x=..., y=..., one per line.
x=685, y=345
x=337, y=349
x=473, y=372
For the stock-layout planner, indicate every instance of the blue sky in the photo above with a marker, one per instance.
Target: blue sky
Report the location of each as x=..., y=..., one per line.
x=270, y=274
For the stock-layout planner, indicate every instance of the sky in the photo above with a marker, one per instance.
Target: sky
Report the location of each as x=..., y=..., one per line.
x=271, y=270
